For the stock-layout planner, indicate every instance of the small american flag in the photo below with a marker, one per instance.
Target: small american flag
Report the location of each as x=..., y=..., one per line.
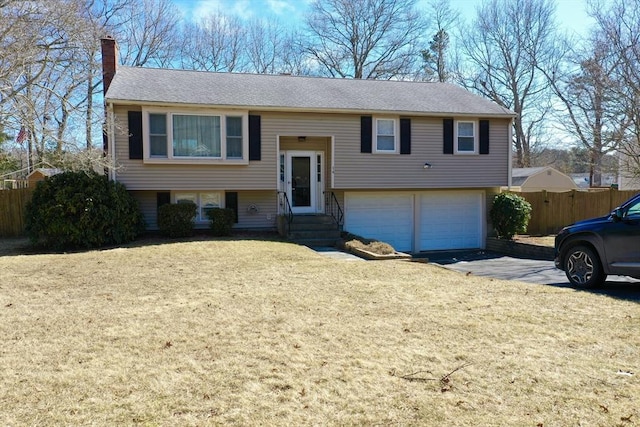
x=21, y=135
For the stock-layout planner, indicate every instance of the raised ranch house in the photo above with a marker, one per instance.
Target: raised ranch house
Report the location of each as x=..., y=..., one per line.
x=413, y=164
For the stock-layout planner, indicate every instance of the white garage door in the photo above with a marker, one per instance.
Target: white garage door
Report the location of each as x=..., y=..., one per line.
x=385, y=217
x=450, y=220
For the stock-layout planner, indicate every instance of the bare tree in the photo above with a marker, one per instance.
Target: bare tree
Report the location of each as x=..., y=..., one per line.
x=215, y=43
x=364, y=39
x=149, y=33
x=101, y=17
x=30, y=38
x=47, y=76
x=50, y=72
x=620, y=25
x=587, y=91
x=437, y=59
x=265, y=43
x=506, y=46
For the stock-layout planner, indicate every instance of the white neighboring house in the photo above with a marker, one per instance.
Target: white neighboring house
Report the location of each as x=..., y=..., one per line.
x=625, y=180
x=541, y=178
x=607, y=180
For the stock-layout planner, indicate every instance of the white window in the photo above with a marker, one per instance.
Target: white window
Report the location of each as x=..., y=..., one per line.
x=466, y=137
x=195, y=137
x=158, y=135
x=385, y=136
x=203, y=200
x=234, y=137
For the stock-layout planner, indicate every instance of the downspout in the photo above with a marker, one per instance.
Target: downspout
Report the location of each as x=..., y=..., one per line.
x=112, y=141
x=509, y=181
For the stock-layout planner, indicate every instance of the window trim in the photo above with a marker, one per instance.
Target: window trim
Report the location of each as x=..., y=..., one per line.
x=476, y=138
x=199, y=218
x=170, y=112
x=396, y=136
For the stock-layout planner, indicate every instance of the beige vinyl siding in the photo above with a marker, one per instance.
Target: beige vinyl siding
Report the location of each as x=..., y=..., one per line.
x=267, y=204
x=352, y=169
x=263, y=217
x=136, y=175
x=356, y=170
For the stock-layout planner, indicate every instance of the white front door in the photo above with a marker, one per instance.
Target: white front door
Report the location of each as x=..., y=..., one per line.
x=302, y=181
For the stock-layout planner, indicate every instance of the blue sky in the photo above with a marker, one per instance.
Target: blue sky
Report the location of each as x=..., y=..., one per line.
x=571, y=14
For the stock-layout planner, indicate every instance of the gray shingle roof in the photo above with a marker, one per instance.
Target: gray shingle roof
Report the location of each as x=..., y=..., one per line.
x=526, y=172
x=260, y=91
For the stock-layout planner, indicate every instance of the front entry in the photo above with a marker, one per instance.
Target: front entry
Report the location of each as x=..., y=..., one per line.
x=302, y=181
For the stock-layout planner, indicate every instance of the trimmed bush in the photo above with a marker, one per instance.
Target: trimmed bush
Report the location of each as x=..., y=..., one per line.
x=510, y=215
x=221, y=221
x=81, y=210
x=177, y=219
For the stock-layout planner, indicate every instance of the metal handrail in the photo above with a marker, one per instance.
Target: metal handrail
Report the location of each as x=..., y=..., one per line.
x=288, y=212
x=332, y=207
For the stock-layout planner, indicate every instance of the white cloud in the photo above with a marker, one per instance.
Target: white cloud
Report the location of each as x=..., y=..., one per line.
x=282, y=7
x=287, y=10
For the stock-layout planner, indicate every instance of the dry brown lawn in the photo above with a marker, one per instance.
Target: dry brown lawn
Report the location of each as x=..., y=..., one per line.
x=253, y=332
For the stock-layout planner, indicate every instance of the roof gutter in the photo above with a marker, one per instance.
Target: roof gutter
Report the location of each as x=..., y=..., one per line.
x=114, y=101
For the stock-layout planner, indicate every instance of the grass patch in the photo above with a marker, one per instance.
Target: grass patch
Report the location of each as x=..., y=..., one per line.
x=249, y=332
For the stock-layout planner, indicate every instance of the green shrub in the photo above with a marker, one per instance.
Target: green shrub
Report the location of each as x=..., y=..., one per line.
x=177, y=220
x=81, y=210
x=221, y=221
x=510, y=215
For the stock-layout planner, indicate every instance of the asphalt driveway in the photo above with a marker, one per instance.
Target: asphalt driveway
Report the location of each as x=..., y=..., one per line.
x=490, y=264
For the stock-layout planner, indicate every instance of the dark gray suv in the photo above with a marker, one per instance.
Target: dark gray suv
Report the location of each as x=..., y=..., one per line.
x=590, y=250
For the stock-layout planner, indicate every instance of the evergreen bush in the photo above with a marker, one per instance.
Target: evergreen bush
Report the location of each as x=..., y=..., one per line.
x=221, y=221
x=510, y=215
x=177, y=219
x=81, y=210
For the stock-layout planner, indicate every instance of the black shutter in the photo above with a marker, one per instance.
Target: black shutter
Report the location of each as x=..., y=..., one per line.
x=162, y=198
x=135, y=134
x=405, y=136
x=366, y=129
x=231, y=202
x=105, y=138
x=484, y=137
x=447, y=133
x=254, y=138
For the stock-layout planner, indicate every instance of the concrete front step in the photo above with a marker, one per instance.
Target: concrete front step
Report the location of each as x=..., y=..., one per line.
x=314, y=230
x=313, y=219
x=316, y=243
x=314, y=234
x=294, y=226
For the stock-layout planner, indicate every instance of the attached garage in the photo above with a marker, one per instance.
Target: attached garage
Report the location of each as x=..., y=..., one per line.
x=418, y=221
x=387, y=217
x=451, y=220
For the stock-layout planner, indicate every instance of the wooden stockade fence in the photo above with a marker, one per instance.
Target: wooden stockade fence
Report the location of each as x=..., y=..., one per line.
x=12, y=207
x=552, y=211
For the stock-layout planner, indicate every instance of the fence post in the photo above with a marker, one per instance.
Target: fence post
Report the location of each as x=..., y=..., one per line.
x=573, y=206
x=612, y=197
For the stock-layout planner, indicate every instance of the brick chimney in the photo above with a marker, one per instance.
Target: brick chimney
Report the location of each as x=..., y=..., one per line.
x=109, y=61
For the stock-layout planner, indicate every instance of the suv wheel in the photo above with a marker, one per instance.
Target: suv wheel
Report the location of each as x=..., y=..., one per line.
x=582, y=267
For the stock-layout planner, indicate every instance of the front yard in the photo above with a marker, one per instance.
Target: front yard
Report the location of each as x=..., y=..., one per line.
x=251, y=332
